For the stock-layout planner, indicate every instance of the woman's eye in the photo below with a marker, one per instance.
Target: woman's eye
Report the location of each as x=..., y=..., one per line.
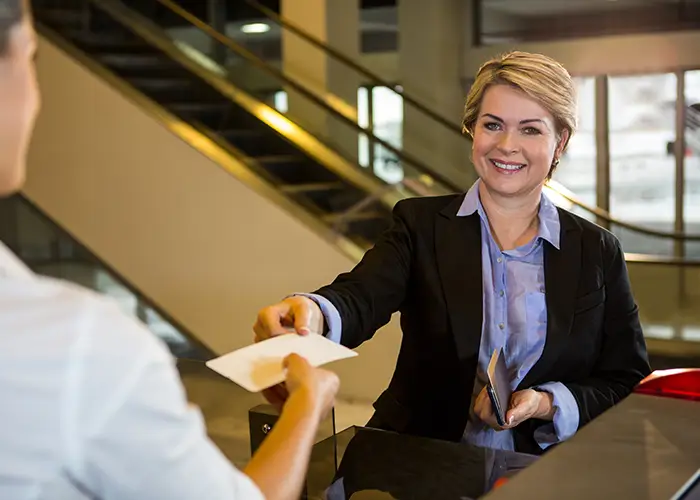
x=531, y=131
x=492, y=126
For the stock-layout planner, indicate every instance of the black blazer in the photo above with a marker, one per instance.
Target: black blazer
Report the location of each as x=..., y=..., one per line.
x=427, y=265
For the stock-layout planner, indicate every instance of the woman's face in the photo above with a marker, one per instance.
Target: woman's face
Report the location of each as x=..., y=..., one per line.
x=19, y=104
x=515, y=142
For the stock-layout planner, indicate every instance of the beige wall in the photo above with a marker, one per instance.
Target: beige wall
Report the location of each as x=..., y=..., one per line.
x=194, y=238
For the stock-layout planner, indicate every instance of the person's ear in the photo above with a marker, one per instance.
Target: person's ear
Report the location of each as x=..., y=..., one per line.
x=563, y=138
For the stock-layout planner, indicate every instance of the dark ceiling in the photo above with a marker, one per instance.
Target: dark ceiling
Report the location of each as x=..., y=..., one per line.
x=240, y=10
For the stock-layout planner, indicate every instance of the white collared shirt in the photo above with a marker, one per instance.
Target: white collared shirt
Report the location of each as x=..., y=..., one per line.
x=91, y=405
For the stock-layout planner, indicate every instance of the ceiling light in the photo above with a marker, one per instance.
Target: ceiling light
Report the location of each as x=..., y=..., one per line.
x=255, y=28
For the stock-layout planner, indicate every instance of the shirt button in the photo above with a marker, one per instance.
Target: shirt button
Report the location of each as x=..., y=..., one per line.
x=499, y=260
x=501, y=326
x=501, y=293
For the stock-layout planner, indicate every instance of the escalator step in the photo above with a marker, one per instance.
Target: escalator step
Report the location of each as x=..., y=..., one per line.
x=365, y=226
x=295, y=169
x=175, y=89
x=258, y=142
x=141, y=65
x=338, y=197
x=116, y=42
x=369, y=229
x=211, y=114
x=278, y=159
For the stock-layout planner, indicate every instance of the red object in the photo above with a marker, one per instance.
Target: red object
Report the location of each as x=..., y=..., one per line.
x=500, y=482
x=677, y=383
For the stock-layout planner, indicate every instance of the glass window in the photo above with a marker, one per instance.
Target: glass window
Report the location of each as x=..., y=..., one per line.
x=386, y=115
x=577, y=169
x=642, y=165
x=363, y=121
x=691, y=201
x=280, y=101
x=387, y=123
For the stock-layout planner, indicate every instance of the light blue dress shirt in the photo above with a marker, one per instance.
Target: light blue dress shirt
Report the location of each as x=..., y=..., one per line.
x=514, y=318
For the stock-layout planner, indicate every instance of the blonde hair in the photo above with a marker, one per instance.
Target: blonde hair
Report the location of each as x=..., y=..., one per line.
x=537, y=76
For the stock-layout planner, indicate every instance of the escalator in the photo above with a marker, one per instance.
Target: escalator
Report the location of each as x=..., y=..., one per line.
x=307, y=166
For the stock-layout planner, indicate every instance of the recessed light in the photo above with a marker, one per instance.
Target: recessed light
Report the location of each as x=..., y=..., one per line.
x=255, y=28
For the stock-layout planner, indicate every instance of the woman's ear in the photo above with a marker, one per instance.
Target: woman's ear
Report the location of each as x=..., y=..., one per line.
x=563, y=138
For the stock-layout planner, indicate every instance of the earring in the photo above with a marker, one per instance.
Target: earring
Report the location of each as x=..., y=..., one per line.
x=555, y=163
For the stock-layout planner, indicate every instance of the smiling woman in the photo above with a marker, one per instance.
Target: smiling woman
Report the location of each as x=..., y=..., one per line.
x=549, y=114
x=498, y=267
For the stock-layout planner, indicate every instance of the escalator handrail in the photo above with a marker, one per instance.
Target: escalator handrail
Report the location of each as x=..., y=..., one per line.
x=347, y=61
x=661, y=260
x=420, y=166
x=184, y=331
x=606, y=216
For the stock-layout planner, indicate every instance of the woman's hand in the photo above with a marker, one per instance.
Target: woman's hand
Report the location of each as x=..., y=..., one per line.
x=295, y=314
x=523, y=405
x=314, y=388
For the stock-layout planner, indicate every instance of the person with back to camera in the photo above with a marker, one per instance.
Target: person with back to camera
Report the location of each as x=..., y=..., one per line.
x=499, y=267
x=92, y=405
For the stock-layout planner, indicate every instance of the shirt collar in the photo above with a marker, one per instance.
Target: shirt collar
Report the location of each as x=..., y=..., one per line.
x=550, y=226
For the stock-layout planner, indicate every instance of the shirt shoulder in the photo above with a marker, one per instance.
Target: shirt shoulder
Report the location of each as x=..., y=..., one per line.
x=39, y=309
x=70, y=352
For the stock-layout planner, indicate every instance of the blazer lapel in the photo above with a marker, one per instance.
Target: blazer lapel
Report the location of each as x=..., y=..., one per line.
x=458, y=251
x=562, y=269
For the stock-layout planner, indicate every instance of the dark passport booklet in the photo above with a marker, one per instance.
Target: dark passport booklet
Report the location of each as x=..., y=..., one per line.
x=498, y=385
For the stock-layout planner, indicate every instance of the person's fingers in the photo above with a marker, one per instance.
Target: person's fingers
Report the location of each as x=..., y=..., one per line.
x=515, y=416
x=295, y=362
x=520, y=408
x=297, y=369
x=302, y=318
x=269, y=322
x=482, y=405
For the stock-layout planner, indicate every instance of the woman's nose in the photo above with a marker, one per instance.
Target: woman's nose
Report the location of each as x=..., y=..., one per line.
x=508, y=143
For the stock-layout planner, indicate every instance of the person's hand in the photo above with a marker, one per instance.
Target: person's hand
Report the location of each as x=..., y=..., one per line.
x=528, y=404
x=313, y=388
x=295, y=314
x=524, y=405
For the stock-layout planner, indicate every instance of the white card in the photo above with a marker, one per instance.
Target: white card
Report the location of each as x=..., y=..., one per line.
x=259, y=366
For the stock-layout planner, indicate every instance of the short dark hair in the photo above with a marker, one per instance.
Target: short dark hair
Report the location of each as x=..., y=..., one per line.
x=11, y=13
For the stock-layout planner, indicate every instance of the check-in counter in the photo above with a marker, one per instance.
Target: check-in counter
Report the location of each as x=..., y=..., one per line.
x=645, y=448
